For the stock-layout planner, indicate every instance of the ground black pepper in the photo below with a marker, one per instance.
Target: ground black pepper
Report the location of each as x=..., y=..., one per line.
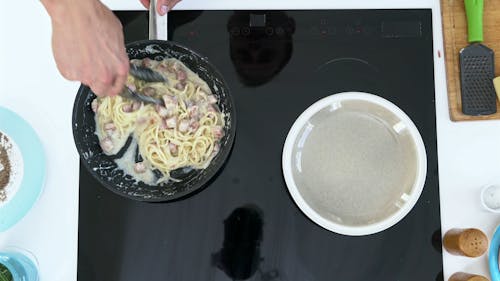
x=5, y=173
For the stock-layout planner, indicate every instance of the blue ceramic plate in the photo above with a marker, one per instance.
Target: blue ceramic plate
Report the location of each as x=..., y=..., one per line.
x=29, y=185
x=493, y=256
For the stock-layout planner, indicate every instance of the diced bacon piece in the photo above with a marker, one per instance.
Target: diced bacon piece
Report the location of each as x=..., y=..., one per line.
x=140, y=167
x=193, y=111
x=212, y=99
x=181, y=75
x=131, y=86
x=136, y=106
x=216, y=148
x=218, y=132
x=94, y=105
x=180, y=86
x=127, y=108
x=173, y=148
x=109, y=126
x=171, y=122
x=161, y=67
x=107, y=145
x=169, y=100
x=162, y=111
x=163, y=124
x=147, y=62
x=194, y=125
x=142, y=120
x=183, y=126
x=148, y=91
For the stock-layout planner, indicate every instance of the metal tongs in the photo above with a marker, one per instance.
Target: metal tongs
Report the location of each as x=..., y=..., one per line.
x=145, y=74
x=158, y=29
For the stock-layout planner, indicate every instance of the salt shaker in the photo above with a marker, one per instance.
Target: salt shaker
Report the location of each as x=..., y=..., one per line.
x=468, y=242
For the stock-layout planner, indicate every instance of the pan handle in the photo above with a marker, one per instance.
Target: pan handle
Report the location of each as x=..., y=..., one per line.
x=158, y=25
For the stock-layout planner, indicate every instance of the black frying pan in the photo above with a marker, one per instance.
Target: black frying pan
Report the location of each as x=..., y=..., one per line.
x=103, y=167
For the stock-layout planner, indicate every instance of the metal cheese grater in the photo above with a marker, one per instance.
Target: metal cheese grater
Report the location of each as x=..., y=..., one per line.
x=477, y=68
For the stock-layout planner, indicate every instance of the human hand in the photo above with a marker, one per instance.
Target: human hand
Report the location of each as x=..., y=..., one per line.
x=162, y=6
x=88, y=44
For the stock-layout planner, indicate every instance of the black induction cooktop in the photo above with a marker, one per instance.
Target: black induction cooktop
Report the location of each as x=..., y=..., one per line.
x=244, y=225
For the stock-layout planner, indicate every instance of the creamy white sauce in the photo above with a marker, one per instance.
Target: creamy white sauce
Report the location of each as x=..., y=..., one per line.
x=117, y=140
x=127, y=164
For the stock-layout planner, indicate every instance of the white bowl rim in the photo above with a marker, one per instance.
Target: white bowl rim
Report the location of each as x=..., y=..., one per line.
x=310, y=212
x=485, y=206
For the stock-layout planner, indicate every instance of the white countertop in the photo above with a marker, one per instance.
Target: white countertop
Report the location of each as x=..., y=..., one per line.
x=468, y=152
x=32, y=87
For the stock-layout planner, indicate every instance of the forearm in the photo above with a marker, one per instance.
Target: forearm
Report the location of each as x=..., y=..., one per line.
x=88, y=45
x=57, y=9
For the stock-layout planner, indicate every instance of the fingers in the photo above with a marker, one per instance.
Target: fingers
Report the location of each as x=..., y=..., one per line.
x=173, y=3
x=162, y=7
x=108, y=83
x=98, y=88
x=119, y=81
x=88, y=46
x=121, y=68
x=145, y=3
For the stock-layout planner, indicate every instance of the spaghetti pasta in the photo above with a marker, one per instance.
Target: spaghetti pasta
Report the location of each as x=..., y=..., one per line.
x=185, y=132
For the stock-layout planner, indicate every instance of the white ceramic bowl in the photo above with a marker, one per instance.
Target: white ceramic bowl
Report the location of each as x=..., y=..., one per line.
x=354, y=163
x=490, y=198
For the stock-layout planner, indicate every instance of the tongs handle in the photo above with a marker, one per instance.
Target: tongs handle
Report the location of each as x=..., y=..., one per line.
x=158, y=30
x=129, y=94
x=158, y=25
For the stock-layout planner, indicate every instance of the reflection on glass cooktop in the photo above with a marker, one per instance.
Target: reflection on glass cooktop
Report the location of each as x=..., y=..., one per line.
x=244, y=225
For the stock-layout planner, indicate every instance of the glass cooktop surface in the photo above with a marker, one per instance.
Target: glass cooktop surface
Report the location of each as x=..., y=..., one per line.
x=244, y=224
